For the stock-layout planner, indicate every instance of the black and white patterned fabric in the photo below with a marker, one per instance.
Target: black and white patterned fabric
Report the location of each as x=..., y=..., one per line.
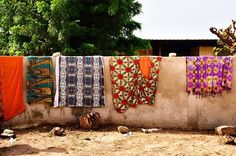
x=81, y=81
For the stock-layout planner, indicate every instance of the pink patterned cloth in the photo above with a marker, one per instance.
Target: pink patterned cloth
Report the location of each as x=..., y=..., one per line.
x=209, y=75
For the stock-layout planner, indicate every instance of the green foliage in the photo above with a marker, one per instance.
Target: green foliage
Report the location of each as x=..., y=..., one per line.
x=74, y=27
x=222, y=51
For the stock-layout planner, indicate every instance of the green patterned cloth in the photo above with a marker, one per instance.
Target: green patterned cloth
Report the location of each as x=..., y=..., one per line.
x=40, y=80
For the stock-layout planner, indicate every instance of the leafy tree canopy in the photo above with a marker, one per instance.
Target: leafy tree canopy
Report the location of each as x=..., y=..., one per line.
x=73, y=27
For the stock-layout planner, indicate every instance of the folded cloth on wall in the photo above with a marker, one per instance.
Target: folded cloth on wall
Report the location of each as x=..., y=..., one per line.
x=81, y=81
x=209, y=75
x=57, y=77
x=12, y=88
x=145, y=64
x=40, y=80
x=130, y=86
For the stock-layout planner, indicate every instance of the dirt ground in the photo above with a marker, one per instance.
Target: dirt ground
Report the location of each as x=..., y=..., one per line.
x=107, y=141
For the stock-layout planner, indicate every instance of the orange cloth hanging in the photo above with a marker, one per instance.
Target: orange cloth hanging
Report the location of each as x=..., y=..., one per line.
x=12, y=88
x=145, y=65
x=1, y=106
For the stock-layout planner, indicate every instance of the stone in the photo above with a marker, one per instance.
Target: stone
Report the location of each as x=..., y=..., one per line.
x=58, y=131
x=123, y=129
x=226, y=139
x=7, y=133
x=229, y=130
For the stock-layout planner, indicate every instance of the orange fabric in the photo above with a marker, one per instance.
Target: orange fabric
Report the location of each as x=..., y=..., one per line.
x=12, y=88
x=145, y=65
x=1, y=106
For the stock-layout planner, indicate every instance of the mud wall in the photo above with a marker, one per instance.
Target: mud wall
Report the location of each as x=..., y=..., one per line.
x=173, y=108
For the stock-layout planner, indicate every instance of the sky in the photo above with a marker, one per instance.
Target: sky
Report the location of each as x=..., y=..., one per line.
x=184, y=19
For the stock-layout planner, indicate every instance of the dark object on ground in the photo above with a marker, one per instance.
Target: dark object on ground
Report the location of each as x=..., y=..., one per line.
x=90, y=120
x=123, y=129
x=229, y=130
x=87, y=139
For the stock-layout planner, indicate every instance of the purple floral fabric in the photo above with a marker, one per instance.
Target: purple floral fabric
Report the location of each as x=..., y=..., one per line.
x=209, y=75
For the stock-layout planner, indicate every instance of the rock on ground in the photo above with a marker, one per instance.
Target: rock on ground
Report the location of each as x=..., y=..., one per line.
x=229, y=130
x=123, y=129
x=7, y=133
x=58, y=131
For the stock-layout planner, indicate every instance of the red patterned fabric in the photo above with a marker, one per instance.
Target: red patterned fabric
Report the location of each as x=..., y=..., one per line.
x=130, y=87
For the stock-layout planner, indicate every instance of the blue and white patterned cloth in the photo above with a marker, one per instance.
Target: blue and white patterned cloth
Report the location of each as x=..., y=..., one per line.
x=80, y=82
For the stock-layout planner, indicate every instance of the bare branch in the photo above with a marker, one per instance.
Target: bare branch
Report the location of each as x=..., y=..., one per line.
x=230, y=34
x=227, y=36
x=234, y=29
x=220, y=33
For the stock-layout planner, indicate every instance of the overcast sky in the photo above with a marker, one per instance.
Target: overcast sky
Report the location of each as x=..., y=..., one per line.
x=184, y=19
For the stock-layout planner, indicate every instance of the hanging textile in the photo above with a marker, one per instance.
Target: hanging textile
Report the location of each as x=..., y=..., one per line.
x=40, y=76
x=209, y=75
x=11, y=84
x=81, y=81
x=130, y=86
x=56, y=97
x=1, y=105
x=145, y=65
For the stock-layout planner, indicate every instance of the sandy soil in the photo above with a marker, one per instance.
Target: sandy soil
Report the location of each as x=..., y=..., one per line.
x=107, y=141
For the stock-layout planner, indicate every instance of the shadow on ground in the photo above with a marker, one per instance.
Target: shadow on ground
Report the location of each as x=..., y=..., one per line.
x=24, y=149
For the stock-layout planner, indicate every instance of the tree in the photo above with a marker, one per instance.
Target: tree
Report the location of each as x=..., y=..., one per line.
x=24, y=29
x=74, y=27
x=227, y=39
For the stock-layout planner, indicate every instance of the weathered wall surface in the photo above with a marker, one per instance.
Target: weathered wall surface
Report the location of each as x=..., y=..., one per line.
x=173, y=108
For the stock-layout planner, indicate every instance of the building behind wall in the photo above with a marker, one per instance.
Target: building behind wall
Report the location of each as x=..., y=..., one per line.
x=193, y=47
